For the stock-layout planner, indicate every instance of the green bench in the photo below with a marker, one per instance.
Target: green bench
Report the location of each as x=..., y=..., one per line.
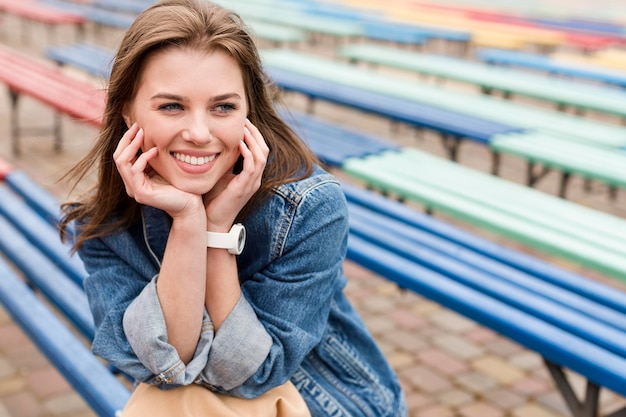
x=490, y=108
x=546, y=223
x=544, y=153
x=564, y=93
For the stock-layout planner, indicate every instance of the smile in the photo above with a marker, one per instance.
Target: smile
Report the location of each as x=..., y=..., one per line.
x=193, y=160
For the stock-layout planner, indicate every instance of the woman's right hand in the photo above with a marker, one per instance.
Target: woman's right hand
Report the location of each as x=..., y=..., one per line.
x=143, y=183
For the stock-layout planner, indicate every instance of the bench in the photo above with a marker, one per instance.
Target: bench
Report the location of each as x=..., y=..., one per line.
x=485, y=107
x=562, y=320
x=29, y=267
x=552, y=66
x=570, y=158
x=451, y=125
x=45, y=82
x=581, y=236
x=563, y=93
x=33, y=11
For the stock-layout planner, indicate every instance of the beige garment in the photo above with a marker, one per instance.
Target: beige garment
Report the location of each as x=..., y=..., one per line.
x=197, y=401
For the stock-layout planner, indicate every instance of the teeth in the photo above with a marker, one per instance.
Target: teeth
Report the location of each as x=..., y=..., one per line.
x=193, y=160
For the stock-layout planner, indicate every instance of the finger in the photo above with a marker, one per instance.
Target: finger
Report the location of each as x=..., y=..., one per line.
x=128, y=156
x=256, y=134
x=126, y=140
x=257, y=147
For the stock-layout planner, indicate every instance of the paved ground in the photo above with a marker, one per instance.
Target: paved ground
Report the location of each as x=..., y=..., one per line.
x=449, y=366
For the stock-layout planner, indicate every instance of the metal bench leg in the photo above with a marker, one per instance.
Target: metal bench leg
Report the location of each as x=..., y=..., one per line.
x=451, y=145
x=565, y=176
x=588, y=408
x=532, y=177
x=495, y=163
x=15, y=127
x=58, y=135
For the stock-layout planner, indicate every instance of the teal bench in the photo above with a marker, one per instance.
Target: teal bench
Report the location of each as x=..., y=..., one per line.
x=62, y=327
x=486, y=107
x=544, y=153
x=581, y=236
x=564, y=93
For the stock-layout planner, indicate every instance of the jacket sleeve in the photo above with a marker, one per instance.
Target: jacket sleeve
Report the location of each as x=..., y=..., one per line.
x=292, y=294
x=130, y=327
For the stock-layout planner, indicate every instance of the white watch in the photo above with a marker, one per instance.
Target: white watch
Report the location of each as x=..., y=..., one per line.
x=234, y=240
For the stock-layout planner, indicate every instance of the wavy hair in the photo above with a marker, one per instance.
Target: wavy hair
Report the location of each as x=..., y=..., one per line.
x=200, y=24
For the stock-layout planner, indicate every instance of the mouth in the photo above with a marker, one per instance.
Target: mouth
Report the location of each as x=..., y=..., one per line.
x=192, y=159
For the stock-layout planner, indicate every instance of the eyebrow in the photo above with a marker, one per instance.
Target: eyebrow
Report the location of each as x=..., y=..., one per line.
x=175, y=97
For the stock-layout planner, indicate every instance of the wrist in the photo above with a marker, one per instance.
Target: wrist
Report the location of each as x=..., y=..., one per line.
x=233, y=240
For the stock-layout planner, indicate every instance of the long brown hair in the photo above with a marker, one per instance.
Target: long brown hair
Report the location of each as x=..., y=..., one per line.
x=178, y=23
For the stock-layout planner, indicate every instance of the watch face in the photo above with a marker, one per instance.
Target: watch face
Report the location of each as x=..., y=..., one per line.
x=242, y=238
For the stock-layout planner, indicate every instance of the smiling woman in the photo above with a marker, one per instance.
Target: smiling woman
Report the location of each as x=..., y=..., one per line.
x=213, y=240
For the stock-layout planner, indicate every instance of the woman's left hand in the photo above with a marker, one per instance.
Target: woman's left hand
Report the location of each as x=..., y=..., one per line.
x=233, y=191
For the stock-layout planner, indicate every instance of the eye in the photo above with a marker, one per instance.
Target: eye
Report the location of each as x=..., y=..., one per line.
x=170, y=107
x=224, y=108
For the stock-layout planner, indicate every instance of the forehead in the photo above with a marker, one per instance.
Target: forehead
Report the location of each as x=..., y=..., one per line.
x=186, y=68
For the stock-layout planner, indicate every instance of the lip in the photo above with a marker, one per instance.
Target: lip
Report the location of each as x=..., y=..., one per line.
x=192, y=168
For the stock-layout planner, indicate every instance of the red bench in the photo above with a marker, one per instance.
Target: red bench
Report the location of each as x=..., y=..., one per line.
x=34, y=11
x=48, y=84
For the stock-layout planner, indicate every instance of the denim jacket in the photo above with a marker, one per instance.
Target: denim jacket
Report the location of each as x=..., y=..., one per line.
x=291, y=322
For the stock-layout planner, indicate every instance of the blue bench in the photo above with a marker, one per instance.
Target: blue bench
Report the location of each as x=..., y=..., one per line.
x=30, y=244
x=571, y=321
x=452, y=126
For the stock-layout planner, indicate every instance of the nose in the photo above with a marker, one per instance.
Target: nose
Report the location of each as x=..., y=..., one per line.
x=198, y=129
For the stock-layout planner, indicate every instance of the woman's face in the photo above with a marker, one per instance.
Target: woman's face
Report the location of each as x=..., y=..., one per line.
x=192, y=107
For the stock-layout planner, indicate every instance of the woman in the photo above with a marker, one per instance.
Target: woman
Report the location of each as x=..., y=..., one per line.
x=192, y=161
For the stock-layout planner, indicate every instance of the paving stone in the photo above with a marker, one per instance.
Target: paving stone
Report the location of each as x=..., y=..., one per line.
x=404, y=339
x=504, y=398
x=12, y=384
x=503, y=347
x=7, y=368
x=452, y=321
x=23, y=404
x=67, y=404
x=498, y=369
x=531, y=386
x=455, y=398
x=480, y=335
x=480, y=409
x=458, y=346
x=47, y=382
x=442, y=362
x=475, y=382
x=526, y=360
x=434, y=411
x=533, y=410
x=406, y=319
x=425, y=379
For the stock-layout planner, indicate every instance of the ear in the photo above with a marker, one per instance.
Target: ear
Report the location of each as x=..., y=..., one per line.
x=126, y=115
